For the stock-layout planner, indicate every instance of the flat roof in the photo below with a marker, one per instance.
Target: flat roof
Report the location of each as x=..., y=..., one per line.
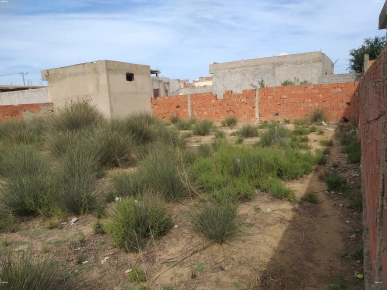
x=5, y=88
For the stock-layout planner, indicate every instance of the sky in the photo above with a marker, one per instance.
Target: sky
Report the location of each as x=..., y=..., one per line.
x=178, y=37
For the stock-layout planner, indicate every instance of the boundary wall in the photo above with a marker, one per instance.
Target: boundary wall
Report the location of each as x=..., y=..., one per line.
x=372, y=125
x=338, y=100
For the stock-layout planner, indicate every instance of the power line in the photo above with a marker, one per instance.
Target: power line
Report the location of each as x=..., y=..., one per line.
x=10, y=74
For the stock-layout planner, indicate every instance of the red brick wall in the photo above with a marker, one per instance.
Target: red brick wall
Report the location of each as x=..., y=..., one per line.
x=372, y=122
x=207, y=106
x=22, y=112
x=338, y=100
x=276, y=103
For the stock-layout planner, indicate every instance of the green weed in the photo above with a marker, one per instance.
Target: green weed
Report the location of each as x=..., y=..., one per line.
x=326, y=142
x=135, y=223
x=310, y=197
x=137, y=274
x=354, y=152
x=75, y=116
x=318, y=116
x=248, y=131
x=229, y=121
x=215, y=221
x=29, y=183
x=202, y=128
x=26, y=271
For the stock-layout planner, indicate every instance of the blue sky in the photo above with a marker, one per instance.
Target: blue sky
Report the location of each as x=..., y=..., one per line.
x=179, y=37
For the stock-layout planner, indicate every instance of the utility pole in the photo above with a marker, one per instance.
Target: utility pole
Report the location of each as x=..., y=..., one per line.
x=23, y=74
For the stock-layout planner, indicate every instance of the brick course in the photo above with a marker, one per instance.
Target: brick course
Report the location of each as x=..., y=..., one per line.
x=338, y=100
x=23, y=111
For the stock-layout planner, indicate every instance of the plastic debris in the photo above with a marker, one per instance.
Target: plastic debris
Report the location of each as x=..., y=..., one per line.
x=73, y=221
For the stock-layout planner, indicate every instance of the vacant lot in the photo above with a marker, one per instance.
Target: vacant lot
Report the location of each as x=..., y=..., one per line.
x=139, y=204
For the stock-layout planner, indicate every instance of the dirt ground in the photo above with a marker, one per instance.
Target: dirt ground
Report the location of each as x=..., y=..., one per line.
x=281, y=244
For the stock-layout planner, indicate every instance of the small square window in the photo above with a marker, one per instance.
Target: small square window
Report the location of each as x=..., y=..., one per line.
x=129, y=77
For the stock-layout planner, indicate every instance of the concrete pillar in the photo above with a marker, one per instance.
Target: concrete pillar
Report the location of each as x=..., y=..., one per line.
x=256, y=105
x=365, y=64
x=189, y=106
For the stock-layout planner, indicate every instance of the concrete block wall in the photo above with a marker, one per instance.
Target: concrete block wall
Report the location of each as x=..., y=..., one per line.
x=31, y=96
x=24, y=111
x=275, y=103
x=244, y=74
x=340, y=78
x=372, y=123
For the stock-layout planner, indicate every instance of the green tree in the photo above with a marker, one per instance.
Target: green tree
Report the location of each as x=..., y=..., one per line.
x=371, y=46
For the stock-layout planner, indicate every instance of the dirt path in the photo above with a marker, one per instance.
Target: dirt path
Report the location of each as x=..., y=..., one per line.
x=331, y=231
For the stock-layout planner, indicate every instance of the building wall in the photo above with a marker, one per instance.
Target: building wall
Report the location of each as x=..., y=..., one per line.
x=81, y=81
x=340, y=78
x=162, y=85
x=127, y=97
x=31, y=96
x=24, y=111
x=338, y=100
x=373, y=125
x=245, y=74
x=175, y=85
x=195, y=90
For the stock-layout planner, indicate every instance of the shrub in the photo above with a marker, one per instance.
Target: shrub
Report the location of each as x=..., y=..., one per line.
x=215, y=221
x=26, y=271
x=229, y=121
x=75, y=116
x=301, y=122
x=137, y=274
x=318, y=116
x=264, y=125
x=220, y=134
x=288, y=83
x=139, y=126
x=7, y=219
x=312, y=129
x=239, y=140
x=128, y=183
x=326, y=142
x=275, y=187
x=98, y=228
x=320, y=132
x=112, y=148
x=248, y=130
x=335, y=181
x=136, y=223
x=301, y=130
x=169, y=136
x=232, y=165
x=58, y=143
x=321, y=159
x=79, y=170
x=354, y=152
x=234, y=192
x=205, y=150
x=175, y=119
x=183, y=125
x=28, y=181
x=203, y=127
x=160, y=173
x=310, y=197
x=275, y=135
x=21, y=132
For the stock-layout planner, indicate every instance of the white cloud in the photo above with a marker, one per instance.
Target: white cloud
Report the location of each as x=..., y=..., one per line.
x=181, y=38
